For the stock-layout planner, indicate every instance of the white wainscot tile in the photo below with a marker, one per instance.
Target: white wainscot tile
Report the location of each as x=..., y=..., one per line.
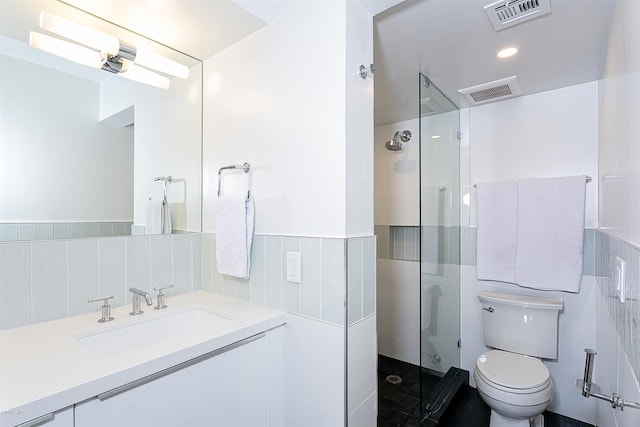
x=362, y=362
x=83, y=275
x=49, y=280
x=567, y=398
x=314, y=357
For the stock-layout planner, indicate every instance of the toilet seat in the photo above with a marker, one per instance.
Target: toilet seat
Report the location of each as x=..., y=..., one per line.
x=511, y=372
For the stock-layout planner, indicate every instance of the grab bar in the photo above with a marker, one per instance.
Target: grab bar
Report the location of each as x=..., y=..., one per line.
x=591, y=389
x=588, y=180
x=245, y=168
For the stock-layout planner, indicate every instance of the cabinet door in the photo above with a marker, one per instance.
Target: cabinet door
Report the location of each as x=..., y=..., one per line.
x=230, y=389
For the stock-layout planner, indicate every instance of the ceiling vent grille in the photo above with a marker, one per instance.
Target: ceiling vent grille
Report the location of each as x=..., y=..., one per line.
x=492, y=91
x=506, y=13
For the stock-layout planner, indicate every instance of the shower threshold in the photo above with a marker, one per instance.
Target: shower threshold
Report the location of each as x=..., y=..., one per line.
x=437, y=402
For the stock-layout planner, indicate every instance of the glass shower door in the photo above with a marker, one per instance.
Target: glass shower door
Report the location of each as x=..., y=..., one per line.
x=440, y=247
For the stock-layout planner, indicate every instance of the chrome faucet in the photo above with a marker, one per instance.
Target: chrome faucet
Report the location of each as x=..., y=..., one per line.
x=135, y=300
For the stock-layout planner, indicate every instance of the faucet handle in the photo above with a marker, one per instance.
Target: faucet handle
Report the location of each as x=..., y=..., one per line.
x=105, y=308
x=160, y=297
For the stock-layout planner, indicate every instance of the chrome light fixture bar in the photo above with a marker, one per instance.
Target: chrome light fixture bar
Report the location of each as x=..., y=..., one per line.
x=100, y=50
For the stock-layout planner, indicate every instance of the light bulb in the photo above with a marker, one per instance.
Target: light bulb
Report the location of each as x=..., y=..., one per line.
x=507, y=52
x=87, y=36
x=142, y=75
x=71, y=51
x=150, y=59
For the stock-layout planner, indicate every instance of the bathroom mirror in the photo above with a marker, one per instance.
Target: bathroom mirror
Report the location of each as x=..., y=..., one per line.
x=81, y=148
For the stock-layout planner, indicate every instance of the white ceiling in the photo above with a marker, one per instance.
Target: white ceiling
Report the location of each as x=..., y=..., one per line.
x=451, y=41
x=454, y=44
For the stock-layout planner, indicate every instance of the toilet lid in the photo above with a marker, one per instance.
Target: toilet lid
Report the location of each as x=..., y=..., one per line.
x=512, y=370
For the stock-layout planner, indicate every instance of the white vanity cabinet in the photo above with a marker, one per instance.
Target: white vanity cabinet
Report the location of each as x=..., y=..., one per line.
x=230, y=387
x=61, y=418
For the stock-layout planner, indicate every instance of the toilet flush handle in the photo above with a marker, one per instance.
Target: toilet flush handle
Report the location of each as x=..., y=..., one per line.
x=489, y=309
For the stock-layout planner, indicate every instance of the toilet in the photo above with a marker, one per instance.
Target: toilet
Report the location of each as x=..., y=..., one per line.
x=512, y=379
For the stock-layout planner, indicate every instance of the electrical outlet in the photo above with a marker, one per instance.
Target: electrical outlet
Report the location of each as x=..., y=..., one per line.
x=620, y=278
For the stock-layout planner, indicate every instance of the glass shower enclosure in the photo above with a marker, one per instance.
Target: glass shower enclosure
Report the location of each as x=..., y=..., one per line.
x=440, y=249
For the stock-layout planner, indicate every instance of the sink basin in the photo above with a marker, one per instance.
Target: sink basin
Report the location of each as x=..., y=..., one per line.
x=119, y=339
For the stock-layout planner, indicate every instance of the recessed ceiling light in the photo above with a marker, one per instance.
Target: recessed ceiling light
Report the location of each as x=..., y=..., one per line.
x=507, y=52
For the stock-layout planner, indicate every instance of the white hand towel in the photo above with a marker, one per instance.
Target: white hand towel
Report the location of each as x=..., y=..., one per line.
x=234, y=235
x=497, y=230
x=154, y=218
x=165, y=218
x=551, y=233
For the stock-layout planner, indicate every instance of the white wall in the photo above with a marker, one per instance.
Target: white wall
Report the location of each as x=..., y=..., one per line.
x=50, y=136
x=547, y=134
x=288, y=99
x=276, y=99
x=543, y=135
x=397, y=202
x=619, y=208
x=359, y=122
x=167, y=142
x=619, y=149
x=399, y=310
x=397, y=177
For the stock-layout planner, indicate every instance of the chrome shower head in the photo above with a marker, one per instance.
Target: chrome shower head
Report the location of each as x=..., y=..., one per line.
x=397, y=142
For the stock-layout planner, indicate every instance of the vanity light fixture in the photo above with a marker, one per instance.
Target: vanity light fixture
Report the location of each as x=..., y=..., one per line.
x=100, y=50
x=507, y=52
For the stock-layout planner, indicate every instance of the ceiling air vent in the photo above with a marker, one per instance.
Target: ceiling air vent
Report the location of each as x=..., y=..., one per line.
x=506, y=13
x=492, y=91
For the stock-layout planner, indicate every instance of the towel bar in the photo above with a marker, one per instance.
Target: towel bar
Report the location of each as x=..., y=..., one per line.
x=165, y=180
x=245, y=168
x=589, y=179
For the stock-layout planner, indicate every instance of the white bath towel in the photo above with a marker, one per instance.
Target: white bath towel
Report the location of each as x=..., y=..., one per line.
x=497, y=230
x=166, y=218
x=154, y=218
x=234, y=235
x=432, y=213
x=551, y=233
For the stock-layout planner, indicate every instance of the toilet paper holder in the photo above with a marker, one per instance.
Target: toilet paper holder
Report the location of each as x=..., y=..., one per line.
x=590, y=389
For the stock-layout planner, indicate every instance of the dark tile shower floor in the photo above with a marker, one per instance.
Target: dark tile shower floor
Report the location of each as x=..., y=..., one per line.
x=399, y=404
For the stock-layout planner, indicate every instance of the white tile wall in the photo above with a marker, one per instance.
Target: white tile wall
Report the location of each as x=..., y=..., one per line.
x=398, y=309
x=322, y=293
x=49, y=280
x=397, y=177
x=315, y=372
x=15, y=284
x=617, y=364
x=46, y=280
x=74, y=230
x=361, y=278
x=362, y=363
x=505, y=144
x=83, y=275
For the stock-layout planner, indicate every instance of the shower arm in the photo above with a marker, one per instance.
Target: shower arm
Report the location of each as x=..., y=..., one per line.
x=590, y=389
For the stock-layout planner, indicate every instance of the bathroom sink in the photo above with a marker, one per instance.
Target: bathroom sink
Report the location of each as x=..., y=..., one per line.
x=117, y=339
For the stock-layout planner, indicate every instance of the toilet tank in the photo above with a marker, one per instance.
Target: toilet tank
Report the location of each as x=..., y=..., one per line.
x=521, y=323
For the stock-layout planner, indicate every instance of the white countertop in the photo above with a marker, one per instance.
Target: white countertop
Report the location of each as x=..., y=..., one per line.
x=43, y=367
